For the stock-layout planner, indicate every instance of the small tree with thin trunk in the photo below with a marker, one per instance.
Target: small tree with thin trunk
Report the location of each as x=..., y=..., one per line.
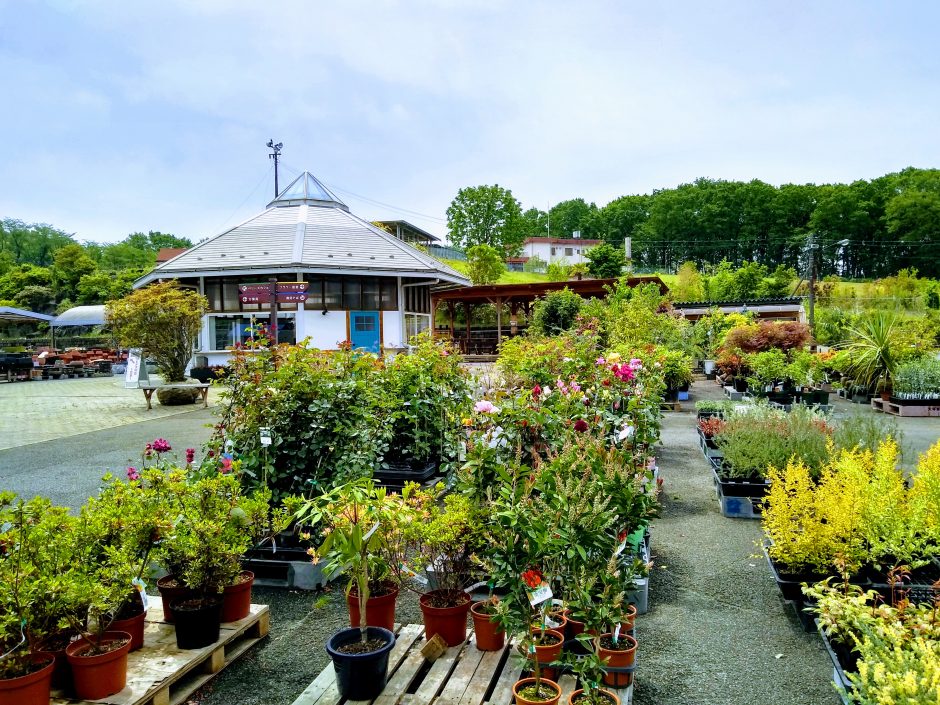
x=164, y=320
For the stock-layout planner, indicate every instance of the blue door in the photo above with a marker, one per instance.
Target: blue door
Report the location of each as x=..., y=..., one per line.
x=364, y=330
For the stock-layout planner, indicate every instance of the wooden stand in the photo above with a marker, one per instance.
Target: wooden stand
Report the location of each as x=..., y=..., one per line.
x=162, y=674
x=925, y=408
x=463, y=675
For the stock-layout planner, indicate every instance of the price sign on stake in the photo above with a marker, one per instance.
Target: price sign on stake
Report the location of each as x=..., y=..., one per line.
x=265, y=436
x=539, y=594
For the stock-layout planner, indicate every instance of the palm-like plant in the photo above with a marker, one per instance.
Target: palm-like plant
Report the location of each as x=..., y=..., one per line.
x=870, y=348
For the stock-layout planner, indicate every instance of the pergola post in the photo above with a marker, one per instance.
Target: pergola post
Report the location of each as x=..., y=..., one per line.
x=450, y=314
x=468, y=307
x=499, y=322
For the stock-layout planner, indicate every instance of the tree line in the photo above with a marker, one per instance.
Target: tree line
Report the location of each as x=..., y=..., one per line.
x=864, y=229
x=46, y=270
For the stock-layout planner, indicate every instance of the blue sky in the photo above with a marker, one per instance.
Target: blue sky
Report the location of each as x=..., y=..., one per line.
x=124, y=116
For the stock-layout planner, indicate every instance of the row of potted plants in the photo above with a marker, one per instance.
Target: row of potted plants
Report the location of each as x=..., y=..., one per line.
x=73, y=587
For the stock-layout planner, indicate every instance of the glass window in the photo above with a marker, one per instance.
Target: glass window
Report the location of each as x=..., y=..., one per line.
x=352, y=294
x=568, y=252
x=389, y=297
x=416, y=323
x=314, y=292
x=333, y=294
x=364, y=323
x=226, y=331
x=370, y=294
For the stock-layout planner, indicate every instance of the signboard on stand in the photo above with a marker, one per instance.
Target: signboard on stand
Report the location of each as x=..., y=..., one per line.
x=136, y=370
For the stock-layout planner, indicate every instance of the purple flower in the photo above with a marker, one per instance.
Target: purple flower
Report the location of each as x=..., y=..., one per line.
x=580, y=426
x=161, y=445
x=600, y=361
x=575, y=387
x=190, y=455
x=132, y=474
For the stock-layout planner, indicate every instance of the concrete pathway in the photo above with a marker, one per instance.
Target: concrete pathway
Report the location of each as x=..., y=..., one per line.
x=31, y=412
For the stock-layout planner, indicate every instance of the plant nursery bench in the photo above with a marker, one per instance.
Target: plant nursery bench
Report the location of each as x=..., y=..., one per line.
x=463, y=675
x=162, y=674
x=149, y=389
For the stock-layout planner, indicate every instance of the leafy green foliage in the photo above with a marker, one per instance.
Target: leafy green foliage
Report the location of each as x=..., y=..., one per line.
x=486, y=215
x=164, y=320
x=484, y=264
x=605, y=261
x=557, y=312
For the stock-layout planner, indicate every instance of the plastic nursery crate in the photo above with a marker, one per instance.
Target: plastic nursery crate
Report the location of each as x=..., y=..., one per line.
x=920, y=587
x=843, y=685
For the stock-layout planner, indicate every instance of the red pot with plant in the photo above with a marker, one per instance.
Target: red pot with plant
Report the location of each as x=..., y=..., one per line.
x=131, y=619
x=172, y=590
x=580, y=697
x=548, y=646
x=236, y=598
x=380, y=607
x=490, y=635
x=619, y=653
x=54, y=647
x=445, y=613
x=29, y=689
x=99, y=667
x=530, y=691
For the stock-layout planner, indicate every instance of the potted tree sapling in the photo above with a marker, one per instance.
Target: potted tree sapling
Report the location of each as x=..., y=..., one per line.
x=354, y=514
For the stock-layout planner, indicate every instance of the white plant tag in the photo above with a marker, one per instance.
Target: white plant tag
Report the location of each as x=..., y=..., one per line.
x=265, y=436
x=142, y=591
x=617, y=633
x=371, y=531
x=538, y=595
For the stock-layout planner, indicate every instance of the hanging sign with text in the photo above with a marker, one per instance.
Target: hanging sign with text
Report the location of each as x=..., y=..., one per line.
x=287, y=293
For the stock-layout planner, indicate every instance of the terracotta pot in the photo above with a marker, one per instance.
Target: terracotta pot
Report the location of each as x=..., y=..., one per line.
x=236, y=599
x=628, y=619
x=169, y=595
x=380, y=611
x=549, y=652
x=525, y=682
x=618, y=659
x=133, y=626
x=449, y=622
x=490, y=636
x=613, y=696
x=101, y=675
x=61, y=671
x=31, y=689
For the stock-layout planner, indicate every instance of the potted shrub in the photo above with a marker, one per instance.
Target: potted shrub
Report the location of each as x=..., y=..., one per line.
x=354, y=514
x=871, y=351
x=25, y=672
x=202, y=553
x=490, y=635
x=444, y=537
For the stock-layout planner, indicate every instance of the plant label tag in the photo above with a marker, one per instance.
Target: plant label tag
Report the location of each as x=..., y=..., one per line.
x=621, y=547
x=265, y=436
x=408, y=572
x=142, y=591
x=538, y=595
x=616, y=633
x=371, y=531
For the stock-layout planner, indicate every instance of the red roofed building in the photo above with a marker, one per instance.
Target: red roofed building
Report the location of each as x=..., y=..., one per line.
x=167, y=253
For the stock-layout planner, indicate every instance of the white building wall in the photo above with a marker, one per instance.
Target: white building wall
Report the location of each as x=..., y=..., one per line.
x=324, y=330
x=544, y=250
x=393, y=332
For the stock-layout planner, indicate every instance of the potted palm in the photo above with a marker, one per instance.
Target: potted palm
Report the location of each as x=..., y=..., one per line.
x=354, y=514
x=870, y=351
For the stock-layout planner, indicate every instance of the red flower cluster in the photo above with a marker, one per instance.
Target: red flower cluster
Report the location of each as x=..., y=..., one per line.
x=536, y=391
x=711, y=426
x=532, y=578
x=580, y=426
x=623, y=372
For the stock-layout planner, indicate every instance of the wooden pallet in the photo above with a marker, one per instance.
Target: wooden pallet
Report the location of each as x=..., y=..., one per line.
x=464, y=675
x=927, y=408
x=162, y=674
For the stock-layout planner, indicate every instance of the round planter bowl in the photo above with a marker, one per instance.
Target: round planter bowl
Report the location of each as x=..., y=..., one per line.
x=525, y=682
x=98, y=676
x=618, y=659
x=614, y=700
x=449, y=622
x=170, y=594
x=197, y=626
x=360, y=676
x=236, y=599
x=31, y=689
x=489, y=635
x=549, y=652
x=133, y=626
x=380, y=611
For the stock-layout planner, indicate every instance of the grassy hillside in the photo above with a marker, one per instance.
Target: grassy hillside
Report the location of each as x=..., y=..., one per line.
x=507, y=278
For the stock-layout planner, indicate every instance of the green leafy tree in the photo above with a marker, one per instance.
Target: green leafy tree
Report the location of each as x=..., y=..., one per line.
x=484, y=264
x=557, y=312
x=154, y=240
x=40, y=299
x=71, y=263
x=688, y=285
x=575, y=214
x=486, y=215
x=164, y=320
x=18, y=278
x=534, y=223
x=605, y=261
x=557, y=271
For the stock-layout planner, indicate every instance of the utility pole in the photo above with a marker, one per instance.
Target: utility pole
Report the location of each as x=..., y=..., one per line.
x=274, y=155
x=812, y=283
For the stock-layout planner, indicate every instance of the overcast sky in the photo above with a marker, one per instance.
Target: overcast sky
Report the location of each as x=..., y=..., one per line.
x=124, y=116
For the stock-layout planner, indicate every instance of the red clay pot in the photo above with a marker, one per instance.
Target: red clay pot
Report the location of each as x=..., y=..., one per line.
x=628, y=619
x=31, y=689
x=574, y=696
x=97, y=677
x=169, y=595
x=133, y=626
x=236, y=599
x=380, y=610
x=61, y=671
x=520, y=684
x=618, y=659
x=490, y=636
x=449, y=622
x=549, y=652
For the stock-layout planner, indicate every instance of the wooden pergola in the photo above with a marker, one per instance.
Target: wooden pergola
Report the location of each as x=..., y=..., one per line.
x=519, y=297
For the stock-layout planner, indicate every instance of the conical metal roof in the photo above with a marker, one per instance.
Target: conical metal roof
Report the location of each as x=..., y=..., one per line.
x=306, y=189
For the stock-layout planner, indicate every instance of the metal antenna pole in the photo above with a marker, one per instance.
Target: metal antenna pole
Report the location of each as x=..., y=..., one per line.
x=274, y=155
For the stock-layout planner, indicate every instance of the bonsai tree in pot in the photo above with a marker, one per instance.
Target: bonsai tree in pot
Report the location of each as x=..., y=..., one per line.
x=444, y=537
x=357, y=516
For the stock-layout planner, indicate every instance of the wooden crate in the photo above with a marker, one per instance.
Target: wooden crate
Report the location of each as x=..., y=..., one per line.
x=162, y=674
x=464, y=675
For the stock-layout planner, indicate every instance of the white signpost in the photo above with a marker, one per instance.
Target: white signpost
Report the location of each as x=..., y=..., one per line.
x=136, y=370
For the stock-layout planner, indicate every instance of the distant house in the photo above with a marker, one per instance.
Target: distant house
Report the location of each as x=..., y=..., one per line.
x=404, y=230
x=165, y=254
x=556, y=249
x=364, y=285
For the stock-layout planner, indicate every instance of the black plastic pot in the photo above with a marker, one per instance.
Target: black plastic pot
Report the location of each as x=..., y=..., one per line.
x=360, y=676
x=197, y=622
